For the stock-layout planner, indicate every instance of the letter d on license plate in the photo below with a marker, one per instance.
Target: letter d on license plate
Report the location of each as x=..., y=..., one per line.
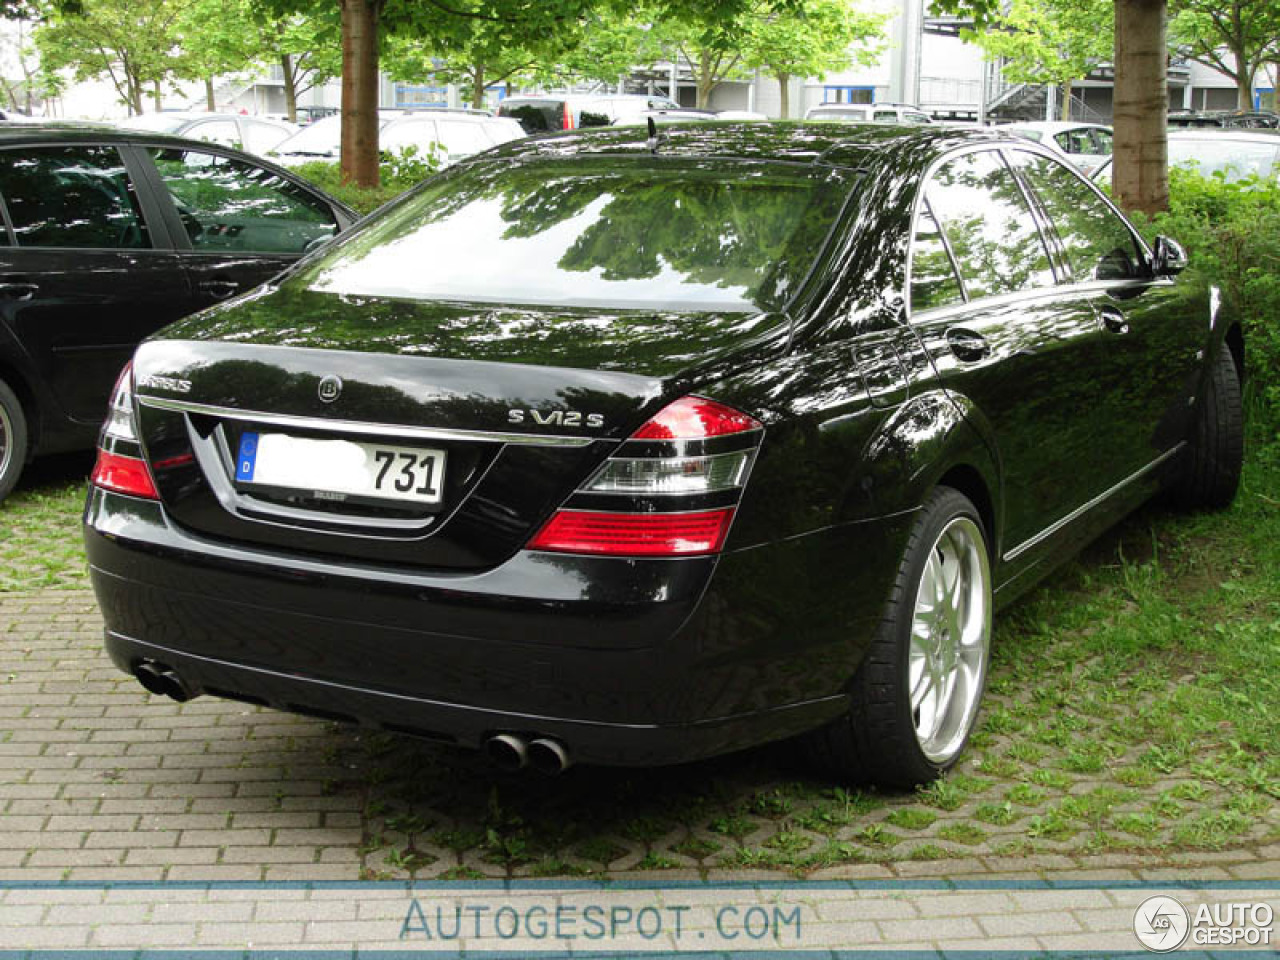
x=349, y=467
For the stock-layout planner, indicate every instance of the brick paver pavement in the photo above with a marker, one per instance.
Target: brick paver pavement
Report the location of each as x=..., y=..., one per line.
x=103, y=782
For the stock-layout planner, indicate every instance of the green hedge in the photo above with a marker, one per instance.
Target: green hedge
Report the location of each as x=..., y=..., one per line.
x=1232, y=235
x=397, y=172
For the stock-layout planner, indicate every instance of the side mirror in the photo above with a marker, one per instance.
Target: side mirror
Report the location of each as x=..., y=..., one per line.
x=1168, y=258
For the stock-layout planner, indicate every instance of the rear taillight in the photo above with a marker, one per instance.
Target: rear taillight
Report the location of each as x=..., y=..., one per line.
x=567, y=121
x=670, y=490
x=119, y=425
x=122, y=474
x=116, y=470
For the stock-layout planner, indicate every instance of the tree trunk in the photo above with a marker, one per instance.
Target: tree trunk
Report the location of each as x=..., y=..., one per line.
x=477, y=87
x=1140, y=177
x=1066, y=100
x=290, y=88
x=155, y=94
x=210, y=103
x=784, y=95
x=706, y=81
x=360, y=92
x=1244, y=86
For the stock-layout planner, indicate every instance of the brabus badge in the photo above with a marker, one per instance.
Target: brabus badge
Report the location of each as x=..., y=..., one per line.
x=330, y=389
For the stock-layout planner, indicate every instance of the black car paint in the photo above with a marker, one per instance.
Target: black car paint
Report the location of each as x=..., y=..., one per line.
x=634, y=661
x=71, y=318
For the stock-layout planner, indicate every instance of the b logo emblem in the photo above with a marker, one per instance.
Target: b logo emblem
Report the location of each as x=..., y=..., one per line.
x=330, y=389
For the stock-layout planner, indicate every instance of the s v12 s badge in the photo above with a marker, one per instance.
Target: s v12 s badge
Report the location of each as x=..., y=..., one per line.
x=556, y=418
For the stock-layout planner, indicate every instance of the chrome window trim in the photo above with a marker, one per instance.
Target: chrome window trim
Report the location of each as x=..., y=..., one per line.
x=359, y=427
x=1084, y=508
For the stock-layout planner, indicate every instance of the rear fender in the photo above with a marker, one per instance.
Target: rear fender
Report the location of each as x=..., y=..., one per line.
x=919, y=444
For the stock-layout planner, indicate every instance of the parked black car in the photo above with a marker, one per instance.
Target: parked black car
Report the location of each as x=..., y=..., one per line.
x=108, y=235
x=587, y=450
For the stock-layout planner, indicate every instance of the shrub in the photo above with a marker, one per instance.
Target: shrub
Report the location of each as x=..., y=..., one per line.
x=1232, y=235
x=397, y=171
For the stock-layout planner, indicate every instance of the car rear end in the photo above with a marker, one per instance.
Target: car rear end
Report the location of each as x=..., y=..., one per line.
x=481, y=523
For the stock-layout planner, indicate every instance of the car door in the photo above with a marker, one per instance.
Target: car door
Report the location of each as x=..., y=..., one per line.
x=1012, y=345
x=1153, y=327
x=236, y=223
x=88, y=271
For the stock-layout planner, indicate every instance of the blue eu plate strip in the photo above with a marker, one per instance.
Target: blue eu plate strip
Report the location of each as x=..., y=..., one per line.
x=247, y=458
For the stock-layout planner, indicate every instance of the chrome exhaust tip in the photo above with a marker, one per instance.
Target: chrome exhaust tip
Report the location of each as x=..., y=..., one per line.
x=507, y=751
x=549, y=756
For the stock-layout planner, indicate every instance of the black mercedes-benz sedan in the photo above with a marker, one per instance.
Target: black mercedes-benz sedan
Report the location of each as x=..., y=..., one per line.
x=611, y=449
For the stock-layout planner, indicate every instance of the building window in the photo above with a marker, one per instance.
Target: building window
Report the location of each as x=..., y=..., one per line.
x=848, y=94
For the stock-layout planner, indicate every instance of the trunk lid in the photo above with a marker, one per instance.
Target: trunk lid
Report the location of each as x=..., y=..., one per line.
x=515, y=407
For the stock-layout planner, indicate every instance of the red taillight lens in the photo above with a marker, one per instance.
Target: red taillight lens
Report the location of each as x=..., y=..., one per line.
x=635, y=534
x=695, y=418
x=568, y=116
x=123, y=475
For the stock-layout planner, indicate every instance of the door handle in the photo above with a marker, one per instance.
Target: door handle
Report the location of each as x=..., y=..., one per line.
x=18, y=291
x=220, y=289
x=968, y=346
x=1113, y=319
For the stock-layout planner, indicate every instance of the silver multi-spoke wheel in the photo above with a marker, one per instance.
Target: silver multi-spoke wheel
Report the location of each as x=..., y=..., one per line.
x=950, y=640
x=13, y=439
x=6, y=440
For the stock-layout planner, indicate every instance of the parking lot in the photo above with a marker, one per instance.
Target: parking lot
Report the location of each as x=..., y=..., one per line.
x=1098, y=751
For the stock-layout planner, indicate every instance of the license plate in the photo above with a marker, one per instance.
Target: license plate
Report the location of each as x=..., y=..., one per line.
x=341, y=468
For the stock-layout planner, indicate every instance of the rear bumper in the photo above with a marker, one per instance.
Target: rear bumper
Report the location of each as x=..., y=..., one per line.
x=630, y=662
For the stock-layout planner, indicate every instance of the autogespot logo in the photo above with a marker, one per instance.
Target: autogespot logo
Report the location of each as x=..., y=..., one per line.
x=1161, y=924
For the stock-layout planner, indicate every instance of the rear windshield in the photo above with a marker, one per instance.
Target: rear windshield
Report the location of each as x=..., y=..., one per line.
x=599, y=232
x=536, y=116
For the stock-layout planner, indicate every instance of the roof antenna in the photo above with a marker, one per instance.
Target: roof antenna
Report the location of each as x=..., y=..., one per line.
x=653, y=136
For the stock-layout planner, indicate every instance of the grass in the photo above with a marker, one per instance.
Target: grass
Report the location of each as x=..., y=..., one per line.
x=1133, y=705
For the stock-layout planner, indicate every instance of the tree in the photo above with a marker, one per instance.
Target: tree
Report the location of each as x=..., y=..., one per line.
x=216, y=37
x=1235, y=37
x=1049, y=41
x=712, y=46
x=131, y=42
x=810, y=39
x=1140, y=179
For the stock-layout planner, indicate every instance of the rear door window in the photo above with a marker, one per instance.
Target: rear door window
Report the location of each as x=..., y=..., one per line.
x=1097, y=243
x=933, y=277
x=230, y=205
x=984, y=214
x=72, y=197
x=224, y=132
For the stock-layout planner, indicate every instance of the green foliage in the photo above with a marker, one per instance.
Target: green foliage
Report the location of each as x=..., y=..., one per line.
x=1231, y=231
x=399, y=172
x=133, y=43
x=1048, y=41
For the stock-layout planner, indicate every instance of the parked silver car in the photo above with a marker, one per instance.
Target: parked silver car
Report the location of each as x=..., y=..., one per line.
x=454, y=133
x=256, y=135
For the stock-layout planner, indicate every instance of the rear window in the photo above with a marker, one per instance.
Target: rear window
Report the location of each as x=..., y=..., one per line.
x=1232, y=159
x=536, y=116
x=627, y=234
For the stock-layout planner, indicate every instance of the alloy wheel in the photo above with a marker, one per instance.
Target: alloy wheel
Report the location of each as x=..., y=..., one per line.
x=950, y=640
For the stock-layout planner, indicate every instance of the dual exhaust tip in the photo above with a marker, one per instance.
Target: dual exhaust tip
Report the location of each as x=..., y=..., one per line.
x=507, y=750
x=163, y=681
x=512, y=752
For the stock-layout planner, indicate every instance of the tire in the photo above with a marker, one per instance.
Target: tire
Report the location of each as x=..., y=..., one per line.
x=13, y=439
x=884, y=738
x=1215, y=457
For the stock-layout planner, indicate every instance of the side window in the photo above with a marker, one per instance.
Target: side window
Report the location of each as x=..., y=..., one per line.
x=224, y=132
x=71, y=197
x=981, y=208
x=398, y=137
x=886, y=116
x=1103, y=139
x=1098, y=244
x=933, y=279
x=261, y=137
x=231, y=205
